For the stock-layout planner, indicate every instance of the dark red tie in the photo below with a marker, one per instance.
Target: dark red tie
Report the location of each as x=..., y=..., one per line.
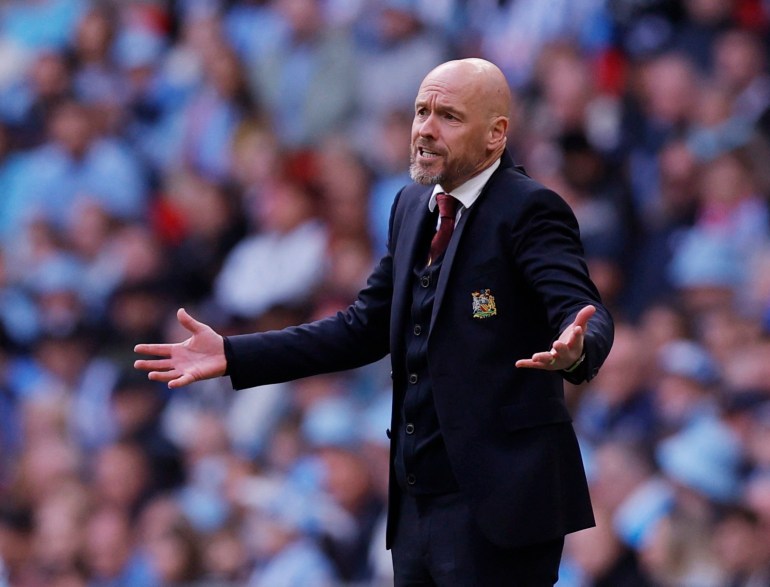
x=447, y=209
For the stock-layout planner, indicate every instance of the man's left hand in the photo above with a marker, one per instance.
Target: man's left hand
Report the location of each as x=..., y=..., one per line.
x=565, y=351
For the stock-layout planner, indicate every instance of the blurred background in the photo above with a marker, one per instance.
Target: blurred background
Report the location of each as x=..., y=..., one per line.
x=239, y=158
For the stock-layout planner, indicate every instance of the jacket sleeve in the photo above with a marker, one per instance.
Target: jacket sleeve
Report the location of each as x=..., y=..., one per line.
x=548, y=251
x=355, y=337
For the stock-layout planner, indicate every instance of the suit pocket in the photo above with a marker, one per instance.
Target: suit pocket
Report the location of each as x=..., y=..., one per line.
x=537, y=413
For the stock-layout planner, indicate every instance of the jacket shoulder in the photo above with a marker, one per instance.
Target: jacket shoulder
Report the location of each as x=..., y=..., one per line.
x=521, y=192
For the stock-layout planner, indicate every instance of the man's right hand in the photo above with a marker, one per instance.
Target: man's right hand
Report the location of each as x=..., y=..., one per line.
x=202, y=356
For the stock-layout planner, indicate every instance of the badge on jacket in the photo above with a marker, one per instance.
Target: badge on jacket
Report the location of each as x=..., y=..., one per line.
x=483, y=304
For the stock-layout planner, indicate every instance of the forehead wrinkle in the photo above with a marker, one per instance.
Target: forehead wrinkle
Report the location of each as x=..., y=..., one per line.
x=474, y=85
x=437, y=88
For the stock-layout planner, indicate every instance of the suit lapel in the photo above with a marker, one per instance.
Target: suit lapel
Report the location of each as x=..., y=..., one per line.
x=449, y=256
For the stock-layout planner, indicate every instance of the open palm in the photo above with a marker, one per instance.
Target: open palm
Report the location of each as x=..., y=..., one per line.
x=566, y=350
x=201, y=356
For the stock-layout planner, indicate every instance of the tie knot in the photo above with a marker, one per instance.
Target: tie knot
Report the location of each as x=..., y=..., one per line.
x=447, y=205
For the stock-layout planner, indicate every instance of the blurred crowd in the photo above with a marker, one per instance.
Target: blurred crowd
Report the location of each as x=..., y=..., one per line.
x=239, y=159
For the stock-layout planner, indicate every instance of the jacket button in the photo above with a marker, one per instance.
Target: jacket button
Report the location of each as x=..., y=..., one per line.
x=411, y=479
x=413, y=378
x=425, y=281
x=417, y=330
x=410, y=428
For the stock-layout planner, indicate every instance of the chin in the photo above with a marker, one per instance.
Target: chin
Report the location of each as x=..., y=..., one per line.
x=423, y=176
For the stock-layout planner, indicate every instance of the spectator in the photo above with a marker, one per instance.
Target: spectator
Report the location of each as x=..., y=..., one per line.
x=517, y=31
x=279, y=265
x=394, y=42
x=329, y=428
x=389, y=163
x=704, y=21
x=96, y=81
x=619, y=405
x=210, y=118
x=109, y=552
x=684, y=393
x=667, y=89
x=601, y=558
x=29, y=102
x=58, y=535
x=282, y=544
x=74, y=164
x=224, y=556
x=201, y=224
x=739, y=64
x=307, y=83
x=741, y=548
x=174, y=555
x=121, y=477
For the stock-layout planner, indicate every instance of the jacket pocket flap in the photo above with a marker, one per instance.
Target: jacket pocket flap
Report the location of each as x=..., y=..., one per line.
x=531, y=414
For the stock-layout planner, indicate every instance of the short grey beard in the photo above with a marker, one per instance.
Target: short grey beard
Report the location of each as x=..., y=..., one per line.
x=422, y=177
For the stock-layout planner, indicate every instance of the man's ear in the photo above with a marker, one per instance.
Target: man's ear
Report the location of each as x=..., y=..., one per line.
x=497, y=132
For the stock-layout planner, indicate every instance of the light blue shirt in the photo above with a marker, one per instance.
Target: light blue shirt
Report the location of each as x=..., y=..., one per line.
x=51, y=182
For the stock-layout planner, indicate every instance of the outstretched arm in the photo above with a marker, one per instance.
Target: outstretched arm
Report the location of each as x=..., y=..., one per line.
x=567, y=350
x=202, y=356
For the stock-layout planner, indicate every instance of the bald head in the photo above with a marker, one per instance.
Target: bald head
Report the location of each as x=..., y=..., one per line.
x=461, y=121
x=481, y=79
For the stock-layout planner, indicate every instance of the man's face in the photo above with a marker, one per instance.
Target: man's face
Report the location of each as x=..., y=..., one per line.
x=449, y=132
x=71, y=128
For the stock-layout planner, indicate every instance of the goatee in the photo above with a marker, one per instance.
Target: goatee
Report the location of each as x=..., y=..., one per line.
x=421, y=176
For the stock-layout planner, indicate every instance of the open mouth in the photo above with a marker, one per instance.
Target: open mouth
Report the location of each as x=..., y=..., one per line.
x=427, y=153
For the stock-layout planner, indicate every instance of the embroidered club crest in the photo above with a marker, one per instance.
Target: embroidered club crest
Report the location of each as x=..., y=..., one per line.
x=483, y=304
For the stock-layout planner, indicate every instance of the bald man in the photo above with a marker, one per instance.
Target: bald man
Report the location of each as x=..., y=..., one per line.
x=485, y=305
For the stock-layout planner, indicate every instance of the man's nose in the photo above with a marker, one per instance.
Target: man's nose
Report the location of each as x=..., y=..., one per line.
x=427, y=127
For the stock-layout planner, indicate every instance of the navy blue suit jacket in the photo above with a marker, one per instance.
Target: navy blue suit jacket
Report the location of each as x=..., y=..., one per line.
x=507, y=431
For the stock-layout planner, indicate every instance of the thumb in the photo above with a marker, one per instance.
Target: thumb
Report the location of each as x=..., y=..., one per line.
x=188, y=322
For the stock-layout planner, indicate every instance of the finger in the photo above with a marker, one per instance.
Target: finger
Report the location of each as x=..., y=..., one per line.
x=173, y=378
x=163, y=376
x=160, y=350
x=153, y=364
x=584, y=316
x=189, y=322
x=561, y=348
x=528, y=364
x=568, y=354
x=181, y=381
x=572, y=336
x=542, y=360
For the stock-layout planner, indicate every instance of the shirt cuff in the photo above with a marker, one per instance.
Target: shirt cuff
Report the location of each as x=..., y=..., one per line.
x=576, y=364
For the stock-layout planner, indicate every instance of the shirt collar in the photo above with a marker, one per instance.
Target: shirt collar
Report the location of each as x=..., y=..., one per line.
x=468, y=192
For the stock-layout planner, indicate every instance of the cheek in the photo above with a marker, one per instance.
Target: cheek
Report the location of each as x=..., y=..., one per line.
x=415, y=131
x=459, y=145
